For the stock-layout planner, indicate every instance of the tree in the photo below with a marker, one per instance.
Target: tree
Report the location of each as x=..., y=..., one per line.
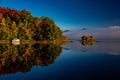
x=23, y=25
x=87, y=40
x=3, y=35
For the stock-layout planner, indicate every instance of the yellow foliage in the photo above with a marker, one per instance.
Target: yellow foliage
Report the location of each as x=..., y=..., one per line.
x=27, y=30
x=3, y=61
x=64, y=38
x=88, y=40
x=14, y=24
x=27, y=52
x=3, y=21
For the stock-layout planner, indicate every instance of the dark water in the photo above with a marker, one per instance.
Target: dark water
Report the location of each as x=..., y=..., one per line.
x=72, y=61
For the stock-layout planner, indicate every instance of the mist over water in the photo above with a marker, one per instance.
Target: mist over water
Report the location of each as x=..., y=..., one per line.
x=100, y=34
x=108, y=47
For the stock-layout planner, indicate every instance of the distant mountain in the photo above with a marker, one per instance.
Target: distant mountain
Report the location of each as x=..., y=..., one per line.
x=65, y=31
x=84, y=28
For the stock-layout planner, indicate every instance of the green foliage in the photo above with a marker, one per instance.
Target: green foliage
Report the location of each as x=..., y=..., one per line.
x=3, y=48
x=3, y=35
x=48, y=30
x=23, y=25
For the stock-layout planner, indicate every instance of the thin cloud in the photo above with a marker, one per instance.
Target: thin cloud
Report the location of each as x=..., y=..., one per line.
x=114, y=27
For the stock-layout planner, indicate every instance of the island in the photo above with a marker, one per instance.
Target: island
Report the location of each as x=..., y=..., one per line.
x=16, y=24
x=87, y=40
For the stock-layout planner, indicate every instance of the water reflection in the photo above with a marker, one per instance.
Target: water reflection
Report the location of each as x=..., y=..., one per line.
x=110, y=47
x=22, y=58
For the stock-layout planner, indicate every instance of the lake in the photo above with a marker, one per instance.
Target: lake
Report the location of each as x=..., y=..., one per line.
x=72, y=61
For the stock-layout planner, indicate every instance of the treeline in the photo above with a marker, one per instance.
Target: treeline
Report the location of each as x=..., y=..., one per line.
x=22, y=25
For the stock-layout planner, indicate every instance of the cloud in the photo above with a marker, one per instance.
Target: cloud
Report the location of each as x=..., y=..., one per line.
x=114, y=27
x=111, y=33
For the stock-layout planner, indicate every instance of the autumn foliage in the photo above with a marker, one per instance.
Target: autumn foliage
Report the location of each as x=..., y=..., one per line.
x=22, y=25
x=87, y=40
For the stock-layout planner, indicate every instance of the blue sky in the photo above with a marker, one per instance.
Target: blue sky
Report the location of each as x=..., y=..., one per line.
x=72, y=14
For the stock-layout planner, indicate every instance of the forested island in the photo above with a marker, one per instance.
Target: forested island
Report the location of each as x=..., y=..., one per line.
x=24, y=26
x=21, y=25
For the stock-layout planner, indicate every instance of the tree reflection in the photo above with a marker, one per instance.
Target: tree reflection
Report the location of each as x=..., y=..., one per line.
x=21, y=58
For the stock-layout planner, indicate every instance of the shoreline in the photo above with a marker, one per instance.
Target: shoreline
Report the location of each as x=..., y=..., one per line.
x=60, y=42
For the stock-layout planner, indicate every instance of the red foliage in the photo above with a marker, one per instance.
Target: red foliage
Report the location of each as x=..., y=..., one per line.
x=12, y=12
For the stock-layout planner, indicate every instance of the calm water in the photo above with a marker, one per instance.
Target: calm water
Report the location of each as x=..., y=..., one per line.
x=72, y=61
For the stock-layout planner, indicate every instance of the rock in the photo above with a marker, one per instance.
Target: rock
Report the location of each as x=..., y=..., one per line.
x=16, y=41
